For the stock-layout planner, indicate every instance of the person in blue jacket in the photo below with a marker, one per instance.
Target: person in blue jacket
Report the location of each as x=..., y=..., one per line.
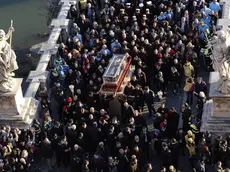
x=215, y=6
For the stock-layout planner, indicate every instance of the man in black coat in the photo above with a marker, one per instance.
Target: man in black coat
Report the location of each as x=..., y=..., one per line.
x=76, y=159
x=173, y=121
x=47, y=152
x=128, y=112
x=83, y=24
x=123, y=161
x=200, y=85
x=175, y=151
x=98, y=163
x=149, y=100
x=186, y=113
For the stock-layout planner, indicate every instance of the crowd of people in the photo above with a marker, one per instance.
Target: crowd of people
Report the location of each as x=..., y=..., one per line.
x=164, y=41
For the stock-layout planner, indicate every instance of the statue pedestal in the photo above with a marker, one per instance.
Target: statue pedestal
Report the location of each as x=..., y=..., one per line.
x=15, y=110
x=216, y=112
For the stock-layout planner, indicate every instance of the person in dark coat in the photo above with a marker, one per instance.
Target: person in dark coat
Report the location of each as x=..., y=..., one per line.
x=128, y=112
x=84, y=129
x=90, y=99
x=173, y=121
x=186, y=113
x=139, y=122
x=123, y=161
x=149, y=100
x=128, y=90
x=181, y=140
x=97, y=163
x=175, y=151
x=80, y=140
x=200, y=85
x=145, y=136
x=47, y=152
x=139, y=98
x=83, y=24
x=140, y=156
x=104, y=101
x=175, y=78
x=76, y=159
x=141, y=77
x=161, y=85
x=94, y=135
x=134, y=165
x=166, y=155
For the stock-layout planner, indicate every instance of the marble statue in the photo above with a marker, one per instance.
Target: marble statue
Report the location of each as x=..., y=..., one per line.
x=8, y=62
x=220, y=55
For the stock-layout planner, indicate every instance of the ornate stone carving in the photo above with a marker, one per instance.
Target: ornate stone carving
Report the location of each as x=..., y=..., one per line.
x=220, y=55
x=8, y=62
x=7, y=102
x=221, y=104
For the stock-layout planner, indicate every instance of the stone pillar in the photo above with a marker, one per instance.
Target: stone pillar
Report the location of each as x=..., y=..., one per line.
x=216, y=112
x=16, y=110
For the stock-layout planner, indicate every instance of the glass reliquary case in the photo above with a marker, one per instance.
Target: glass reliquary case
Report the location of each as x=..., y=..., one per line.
x=115, y=68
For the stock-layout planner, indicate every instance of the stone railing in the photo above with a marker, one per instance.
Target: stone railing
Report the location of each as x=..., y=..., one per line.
x=49, y=48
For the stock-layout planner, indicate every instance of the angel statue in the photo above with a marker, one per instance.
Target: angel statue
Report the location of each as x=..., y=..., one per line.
x=220, y=55
x=8, y=62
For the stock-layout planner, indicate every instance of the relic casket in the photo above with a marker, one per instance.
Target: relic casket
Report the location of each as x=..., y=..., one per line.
x=115, y=73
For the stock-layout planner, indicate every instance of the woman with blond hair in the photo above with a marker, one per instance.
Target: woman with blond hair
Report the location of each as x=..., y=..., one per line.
x=24, y=154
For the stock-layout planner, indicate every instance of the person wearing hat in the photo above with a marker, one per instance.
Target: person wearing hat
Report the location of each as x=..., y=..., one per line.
x=191, y=151
x=172, y=168
x=68, y=109
x=190, y=136
x=201, y=99
x=58, y=61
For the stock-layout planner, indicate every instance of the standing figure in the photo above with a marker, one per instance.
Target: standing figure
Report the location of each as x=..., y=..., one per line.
x=220, y=45
x=8, y=62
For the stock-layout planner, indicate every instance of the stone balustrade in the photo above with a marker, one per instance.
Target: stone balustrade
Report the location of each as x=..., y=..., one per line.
x=49, y=48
